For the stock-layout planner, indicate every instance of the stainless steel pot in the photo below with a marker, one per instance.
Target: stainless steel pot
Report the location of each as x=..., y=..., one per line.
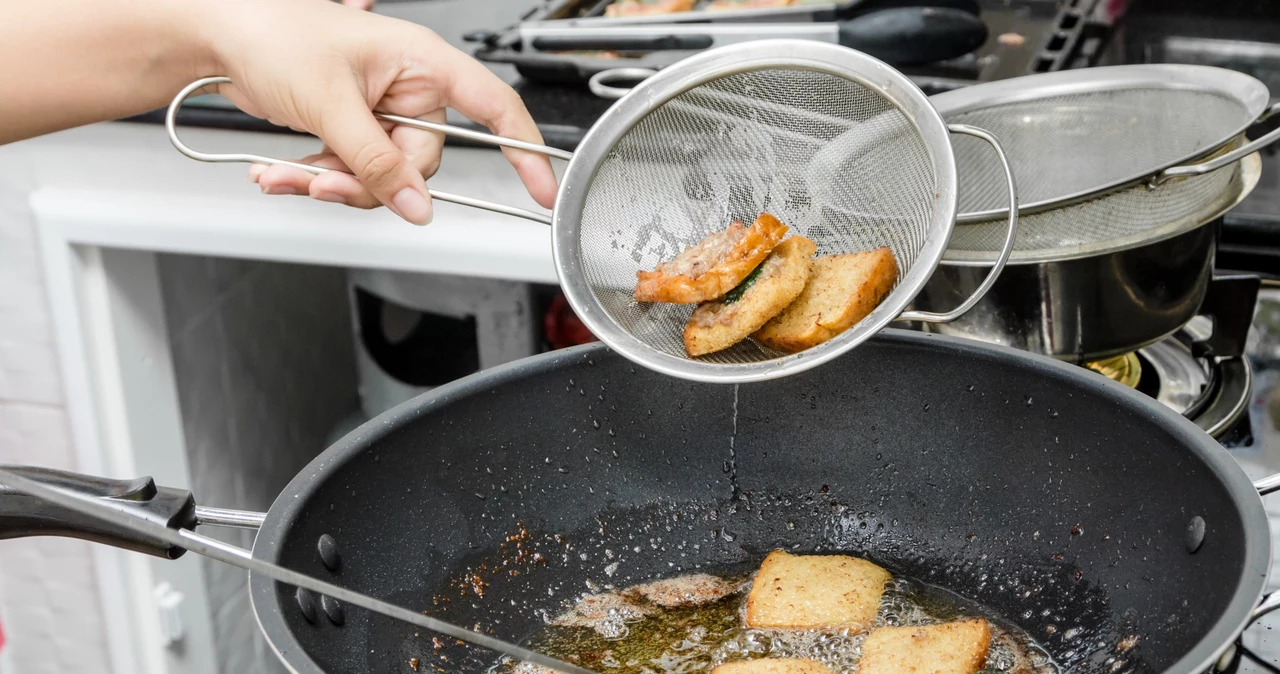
x=1091, y=306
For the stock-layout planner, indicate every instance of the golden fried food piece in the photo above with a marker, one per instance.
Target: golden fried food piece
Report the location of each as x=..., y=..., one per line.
x=642, y=7
x=841, y=291
x=747, y=4
x=691, y=590
x=815, y=592
x=714, y=266
x=773, y=666
x=718, y=325
x=958, y=647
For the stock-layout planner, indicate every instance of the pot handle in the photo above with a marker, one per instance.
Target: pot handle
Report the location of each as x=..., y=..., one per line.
x=930, y=317
x=171, y=125
x=599, y=81
x=1224, y=160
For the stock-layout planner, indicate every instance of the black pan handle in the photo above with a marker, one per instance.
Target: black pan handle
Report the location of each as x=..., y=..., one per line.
x=622, y=42
x=23, y=515
x=856, y=9
x=915, y=36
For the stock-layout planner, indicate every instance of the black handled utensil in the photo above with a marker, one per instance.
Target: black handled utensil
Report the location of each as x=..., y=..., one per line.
x=902, y=36
x=795, y=13
x=136, y=515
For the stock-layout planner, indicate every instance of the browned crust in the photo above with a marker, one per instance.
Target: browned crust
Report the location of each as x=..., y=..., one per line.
x=958, y=647
x=773, y=666
x=715, y=326
x=636, y=8
x=808, y=322
x=674, y=288
x=786, y=586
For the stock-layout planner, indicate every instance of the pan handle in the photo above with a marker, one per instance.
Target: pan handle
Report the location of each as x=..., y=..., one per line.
x=23, y=515
x=1224, y=160
x=171, y=124
x=92, y=509
x=930, y=317
x=599, y=81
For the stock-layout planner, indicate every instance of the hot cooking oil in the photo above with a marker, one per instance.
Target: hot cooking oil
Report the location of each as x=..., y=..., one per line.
x=653, y=639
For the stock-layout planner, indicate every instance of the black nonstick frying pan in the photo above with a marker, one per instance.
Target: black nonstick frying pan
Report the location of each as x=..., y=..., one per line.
x=1074, y=507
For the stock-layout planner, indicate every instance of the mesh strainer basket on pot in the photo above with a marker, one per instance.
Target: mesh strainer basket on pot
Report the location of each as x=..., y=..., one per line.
x=1106, y=158
x=839, y=146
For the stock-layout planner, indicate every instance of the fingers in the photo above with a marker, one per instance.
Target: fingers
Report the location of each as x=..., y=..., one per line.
x=349, y=128
x=421, y=148
x=482, y=96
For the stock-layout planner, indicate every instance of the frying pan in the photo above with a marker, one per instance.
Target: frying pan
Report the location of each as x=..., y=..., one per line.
x=1070, y=505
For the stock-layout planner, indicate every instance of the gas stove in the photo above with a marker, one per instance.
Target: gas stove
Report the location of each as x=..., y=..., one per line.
x=1213, y=392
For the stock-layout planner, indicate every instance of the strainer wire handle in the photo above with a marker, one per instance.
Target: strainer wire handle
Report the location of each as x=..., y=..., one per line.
x=171, y=125
x=930, y=317
x=598, y=84
x=1226, y=159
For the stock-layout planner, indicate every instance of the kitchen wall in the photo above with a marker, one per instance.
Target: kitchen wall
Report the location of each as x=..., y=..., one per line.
x=263, y=359
x=49, y=604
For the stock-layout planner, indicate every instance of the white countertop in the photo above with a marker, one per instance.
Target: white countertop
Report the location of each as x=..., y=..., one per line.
x=123, y=185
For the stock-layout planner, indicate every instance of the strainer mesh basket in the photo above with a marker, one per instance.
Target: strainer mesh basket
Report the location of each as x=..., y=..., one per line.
x=1069, y=144
x=832, y=159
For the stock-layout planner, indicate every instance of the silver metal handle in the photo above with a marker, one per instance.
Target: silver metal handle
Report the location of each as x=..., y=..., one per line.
x=223, y=517
x=598, y=85
x=239, y=557
x=1226, y=159
x=171, y=124
x=1268, y=484
x=930, y=317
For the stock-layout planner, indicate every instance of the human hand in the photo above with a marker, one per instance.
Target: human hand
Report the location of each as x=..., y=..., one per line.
x=323, y=67
x=359, y=4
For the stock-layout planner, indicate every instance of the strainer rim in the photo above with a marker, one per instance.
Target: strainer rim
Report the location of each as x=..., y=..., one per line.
x=1245, y=90
x=1249, y=171
x=694, y=71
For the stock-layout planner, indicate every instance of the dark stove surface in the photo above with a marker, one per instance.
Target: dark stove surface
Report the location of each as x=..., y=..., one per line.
x=565, y=112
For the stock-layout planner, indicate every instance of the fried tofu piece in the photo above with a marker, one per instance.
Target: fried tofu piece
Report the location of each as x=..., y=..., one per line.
x=842, y=290
x=643, y=7
x=714, y=266
x=815, y=592
x=773, y=666
x=958, y=647
x=718, y=325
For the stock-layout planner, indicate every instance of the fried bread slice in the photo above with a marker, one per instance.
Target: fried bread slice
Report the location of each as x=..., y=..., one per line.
x=719, y=324
x=958, y=647
x=714, y=266
x=815, y=592
x=841, y=291
x=773, y=666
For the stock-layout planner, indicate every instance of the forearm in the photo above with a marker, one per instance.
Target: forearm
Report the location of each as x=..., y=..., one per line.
x=65, y=63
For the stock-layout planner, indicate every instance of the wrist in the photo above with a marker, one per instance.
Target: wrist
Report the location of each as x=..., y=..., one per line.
x=207, y=25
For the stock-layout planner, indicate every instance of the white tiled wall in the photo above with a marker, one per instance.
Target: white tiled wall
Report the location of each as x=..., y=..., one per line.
x=263, y=360
x=49, y=604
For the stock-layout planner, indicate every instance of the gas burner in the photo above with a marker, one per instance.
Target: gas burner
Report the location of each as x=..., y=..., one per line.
x=1212, y=392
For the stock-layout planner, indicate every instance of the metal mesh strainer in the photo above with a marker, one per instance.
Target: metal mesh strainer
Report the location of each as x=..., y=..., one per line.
x=838, y=146
x=1104, y=157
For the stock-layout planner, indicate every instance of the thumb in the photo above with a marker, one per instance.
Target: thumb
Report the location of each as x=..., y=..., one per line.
x=349, y=128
